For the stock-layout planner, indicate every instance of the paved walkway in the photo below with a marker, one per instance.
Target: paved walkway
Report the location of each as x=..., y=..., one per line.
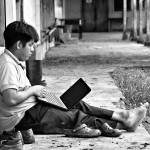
x=92, y=58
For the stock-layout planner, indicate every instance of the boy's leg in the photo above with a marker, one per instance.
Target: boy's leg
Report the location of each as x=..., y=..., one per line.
x=103, y=115
x=125, y=119
x=45, y=119
x=94, y=111
x=56, y=121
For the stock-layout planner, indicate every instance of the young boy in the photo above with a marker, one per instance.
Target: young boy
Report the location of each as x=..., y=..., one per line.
x=19, y=108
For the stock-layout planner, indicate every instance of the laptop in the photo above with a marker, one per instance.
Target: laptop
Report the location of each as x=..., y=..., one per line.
x=70, y=97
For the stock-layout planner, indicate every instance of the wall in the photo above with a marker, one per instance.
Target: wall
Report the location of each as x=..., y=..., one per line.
x=38, y=13
x=115, y=24
x=72, y=9
x=47, y=19
x=47, y=14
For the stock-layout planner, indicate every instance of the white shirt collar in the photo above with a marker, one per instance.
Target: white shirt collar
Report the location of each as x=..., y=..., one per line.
x=14, y=58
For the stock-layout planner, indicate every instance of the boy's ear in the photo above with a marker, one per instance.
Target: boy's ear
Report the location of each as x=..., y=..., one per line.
x=19, y=44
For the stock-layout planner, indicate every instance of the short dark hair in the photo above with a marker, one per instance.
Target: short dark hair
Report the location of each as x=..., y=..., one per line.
x=19, y=30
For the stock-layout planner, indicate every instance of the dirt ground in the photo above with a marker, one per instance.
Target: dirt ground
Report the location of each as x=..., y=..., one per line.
x=92, y=59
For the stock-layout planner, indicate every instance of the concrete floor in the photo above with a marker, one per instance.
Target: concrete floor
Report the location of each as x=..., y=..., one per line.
x=92, y=58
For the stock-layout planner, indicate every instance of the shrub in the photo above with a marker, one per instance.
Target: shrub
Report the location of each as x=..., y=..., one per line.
x=134, y=83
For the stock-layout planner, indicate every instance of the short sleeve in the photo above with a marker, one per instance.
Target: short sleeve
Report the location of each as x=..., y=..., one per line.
x=8, y=76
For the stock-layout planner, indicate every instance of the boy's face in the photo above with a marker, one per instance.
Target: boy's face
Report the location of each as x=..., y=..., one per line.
x=26, y=51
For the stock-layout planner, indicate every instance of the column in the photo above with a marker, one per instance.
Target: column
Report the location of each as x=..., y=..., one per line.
x=147, y=22
x=134, y=3
x=10, y=11
x=141, y=20
x=21, y=11
x=124, y=20
x=2, y=21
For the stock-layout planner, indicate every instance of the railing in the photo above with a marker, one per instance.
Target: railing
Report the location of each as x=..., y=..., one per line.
x=49, y=33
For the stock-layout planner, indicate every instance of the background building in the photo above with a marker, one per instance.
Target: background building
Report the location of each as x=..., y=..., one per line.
x=96, y=15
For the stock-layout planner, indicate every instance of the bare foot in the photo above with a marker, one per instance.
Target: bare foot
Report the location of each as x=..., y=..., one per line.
x=135, y=117
x=146, y=105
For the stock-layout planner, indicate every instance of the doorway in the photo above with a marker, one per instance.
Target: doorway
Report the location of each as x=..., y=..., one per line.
x=95, y=15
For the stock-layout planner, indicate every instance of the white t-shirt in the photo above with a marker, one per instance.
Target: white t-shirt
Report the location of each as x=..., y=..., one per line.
x=12, y=76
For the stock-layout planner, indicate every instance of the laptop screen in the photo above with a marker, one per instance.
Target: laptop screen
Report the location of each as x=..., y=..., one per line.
x=75, y=93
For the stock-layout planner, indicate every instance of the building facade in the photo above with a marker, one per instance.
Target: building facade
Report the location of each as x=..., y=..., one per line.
x=97, y=16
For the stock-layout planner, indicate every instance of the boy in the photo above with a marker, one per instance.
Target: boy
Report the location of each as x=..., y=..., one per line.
x=19, y=108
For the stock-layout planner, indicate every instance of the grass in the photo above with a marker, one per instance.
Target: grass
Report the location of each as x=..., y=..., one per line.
x=134, y=83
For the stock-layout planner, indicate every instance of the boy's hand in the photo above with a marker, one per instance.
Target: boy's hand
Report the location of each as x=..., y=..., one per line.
x=39, y=90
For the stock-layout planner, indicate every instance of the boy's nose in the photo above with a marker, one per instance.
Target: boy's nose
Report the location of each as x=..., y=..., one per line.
x=32, y=49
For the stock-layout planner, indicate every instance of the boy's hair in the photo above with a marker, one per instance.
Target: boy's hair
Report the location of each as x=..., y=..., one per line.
x=19, y=31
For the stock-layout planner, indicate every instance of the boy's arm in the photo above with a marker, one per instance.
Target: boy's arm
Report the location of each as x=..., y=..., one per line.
x=14, y=97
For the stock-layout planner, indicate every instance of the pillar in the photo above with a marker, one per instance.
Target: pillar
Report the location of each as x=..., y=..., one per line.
x=21, y=11
x=141, y=38
x=33, y=66
x=147, y=42
x=10, y=11
x=124, y=20
x=134, y=4
x=2, y=21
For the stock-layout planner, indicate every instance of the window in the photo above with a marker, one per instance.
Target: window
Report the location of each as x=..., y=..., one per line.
x=118, y=5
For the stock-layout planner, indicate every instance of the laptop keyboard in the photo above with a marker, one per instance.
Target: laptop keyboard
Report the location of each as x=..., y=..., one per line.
x=51, y=98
